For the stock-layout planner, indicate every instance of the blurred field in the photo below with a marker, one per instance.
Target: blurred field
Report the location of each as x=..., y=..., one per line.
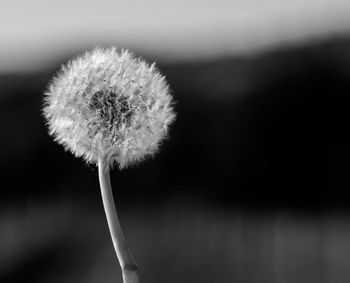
x=183, y=240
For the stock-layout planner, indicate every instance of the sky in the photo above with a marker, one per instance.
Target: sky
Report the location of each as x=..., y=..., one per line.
x=33, y=33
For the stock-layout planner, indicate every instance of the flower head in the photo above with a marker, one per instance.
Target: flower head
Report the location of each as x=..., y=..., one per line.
x=109, y=104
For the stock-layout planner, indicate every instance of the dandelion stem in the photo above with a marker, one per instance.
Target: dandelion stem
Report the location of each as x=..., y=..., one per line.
x=127, y=263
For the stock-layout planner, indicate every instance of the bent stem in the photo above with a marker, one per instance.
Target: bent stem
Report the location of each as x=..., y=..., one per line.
x=127, y=263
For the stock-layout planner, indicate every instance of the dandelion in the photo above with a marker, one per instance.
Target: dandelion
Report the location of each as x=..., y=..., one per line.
x=110, y=108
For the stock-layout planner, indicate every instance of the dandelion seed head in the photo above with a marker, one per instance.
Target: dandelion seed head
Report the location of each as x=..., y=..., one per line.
x=109, y=104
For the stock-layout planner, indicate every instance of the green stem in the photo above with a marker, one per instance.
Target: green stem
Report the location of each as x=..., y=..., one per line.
x=127, y=263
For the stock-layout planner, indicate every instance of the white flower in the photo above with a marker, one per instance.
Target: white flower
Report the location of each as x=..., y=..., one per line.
x=109, y=104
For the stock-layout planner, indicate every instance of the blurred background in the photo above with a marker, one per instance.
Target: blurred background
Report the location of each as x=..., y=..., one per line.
x=253, y=182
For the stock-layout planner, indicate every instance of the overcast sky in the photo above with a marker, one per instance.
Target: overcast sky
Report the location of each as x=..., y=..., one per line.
x=34, y=32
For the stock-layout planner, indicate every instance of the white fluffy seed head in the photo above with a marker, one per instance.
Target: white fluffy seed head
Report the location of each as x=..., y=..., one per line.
x=109, y=104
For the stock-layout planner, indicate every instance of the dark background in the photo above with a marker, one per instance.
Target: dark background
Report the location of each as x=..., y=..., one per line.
x=251, y=186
